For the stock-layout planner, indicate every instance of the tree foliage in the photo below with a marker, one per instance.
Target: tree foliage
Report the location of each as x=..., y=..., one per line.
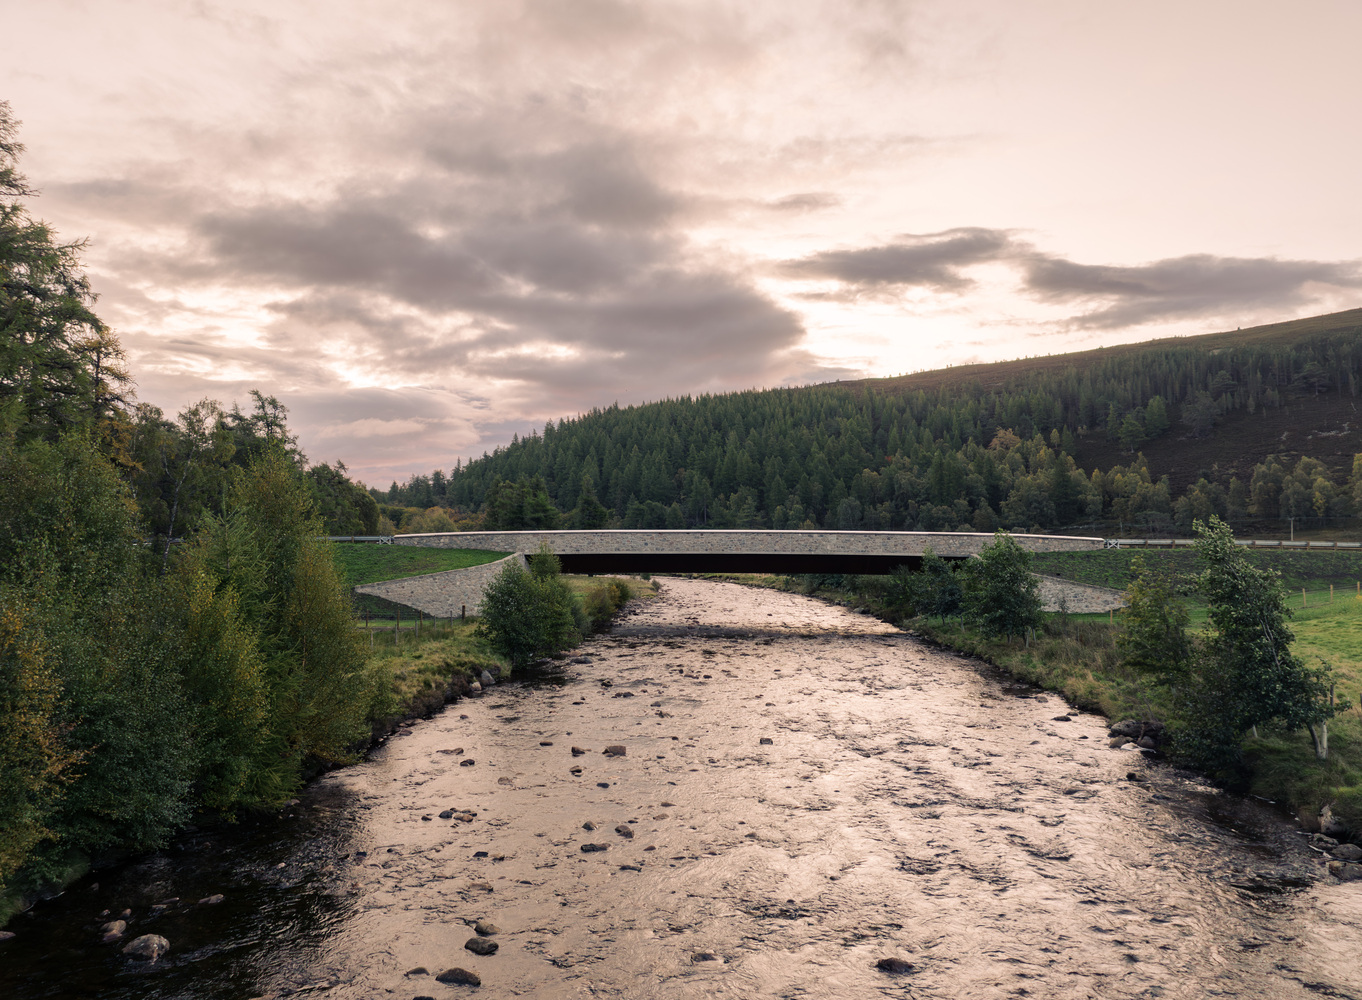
x=60, y=367
x=1153, y=636
x=1001, y=594
x=527, y=614
x=1244, y=674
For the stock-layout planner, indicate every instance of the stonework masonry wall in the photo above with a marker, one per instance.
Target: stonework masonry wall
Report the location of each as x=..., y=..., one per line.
x=442, y=594
x=645, y=541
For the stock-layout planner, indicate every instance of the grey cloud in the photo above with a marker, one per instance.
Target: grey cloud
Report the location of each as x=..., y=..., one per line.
x=1185, y=287
x=805, y=201
x=934, y=260
x=1190, y=286
x=352, y=246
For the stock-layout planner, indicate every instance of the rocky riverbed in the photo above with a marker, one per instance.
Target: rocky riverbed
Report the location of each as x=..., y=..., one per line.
x=736, y=793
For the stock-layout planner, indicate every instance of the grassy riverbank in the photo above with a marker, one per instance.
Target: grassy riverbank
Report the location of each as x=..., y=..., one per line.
x=1076, y=656
x=419, y=666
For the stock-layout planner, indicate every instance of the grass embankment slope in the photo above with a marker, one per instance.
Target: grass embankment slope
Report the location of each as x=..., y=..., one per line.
x=1326, y=426
x=362, y=563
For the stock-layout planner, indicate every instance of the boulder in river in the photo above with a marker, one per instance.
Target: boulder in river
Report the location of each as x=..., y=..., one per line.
x=588, y=826
x=625, y=830
x=147, y=948
x=894, y=965
x=459, y=977
x=766, y=741
x=467, y=762
x=7, y=935
x=486, y=928
x=577, y=751
x=614, y=750
x=592, y=848
x=212, y=900
x=1345, y=871
x=481, y=946
x=1328, y=825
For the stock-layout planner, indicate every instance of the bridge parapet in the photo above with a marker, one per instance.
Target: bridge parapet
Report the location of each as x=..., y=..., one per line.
x=623, y=550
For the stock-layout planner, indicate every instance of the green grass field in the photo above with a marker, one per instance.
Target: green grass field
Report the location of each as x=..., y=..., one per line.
x=1313, y=570
x=366, y=563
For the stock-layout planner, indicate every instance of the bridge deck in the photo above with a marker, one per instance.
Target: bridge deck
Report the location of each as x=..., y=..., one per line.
x=737, y=550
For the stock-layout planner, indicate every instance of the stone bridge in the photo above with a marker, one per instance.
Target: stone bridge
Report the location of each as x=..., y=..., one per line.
x=632, y=551
x=739, y=551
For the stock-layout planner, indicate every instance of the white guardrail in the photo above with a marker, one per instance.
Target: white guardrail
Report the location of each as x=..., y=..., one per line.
x=1248, y=543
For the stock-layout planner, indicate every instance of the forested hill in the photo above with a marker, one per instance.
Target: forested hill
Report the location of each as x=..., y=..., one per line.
x=1250, y=423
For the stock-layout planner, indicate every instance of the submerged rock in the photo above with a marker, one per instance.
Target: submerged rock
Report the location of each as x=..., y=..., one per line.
x=625, y=831
x=592, y=848
x=486, y=927
x=614, y=750
x=895, y=965
x=147, y=948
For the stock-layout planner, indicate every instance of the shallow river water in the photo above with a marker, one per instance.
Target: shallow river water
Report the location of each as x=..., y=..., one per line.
x=909, y=804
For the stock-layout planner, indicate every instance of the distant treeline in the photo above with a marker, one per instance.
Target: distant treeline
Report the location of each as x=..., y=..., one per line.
x=978, y=455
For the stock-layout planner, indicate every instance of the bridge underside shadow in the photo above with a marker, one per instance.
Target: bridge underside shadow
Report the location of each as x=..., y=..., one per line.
x=733, y=562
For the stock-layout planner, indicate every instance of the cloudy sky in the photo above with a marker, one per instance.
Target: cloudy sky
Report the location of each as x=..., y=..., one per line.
x=427, y=224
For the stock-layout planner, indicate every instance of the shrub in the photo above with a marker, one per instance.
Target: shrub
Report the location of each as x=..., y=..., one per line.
x=524, y=616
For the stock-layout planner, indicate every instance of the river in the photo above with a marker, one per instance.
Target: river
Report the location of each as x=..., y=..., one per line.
x=804, y=792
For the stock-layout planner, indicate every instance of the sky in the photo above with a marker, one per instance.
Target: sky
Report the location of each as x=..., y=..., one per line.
x=427, y=226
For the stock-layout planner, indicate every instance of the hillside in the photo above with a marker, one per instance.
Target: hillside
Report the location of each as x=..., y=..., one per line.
x=1327, y=427
x=1254, y=425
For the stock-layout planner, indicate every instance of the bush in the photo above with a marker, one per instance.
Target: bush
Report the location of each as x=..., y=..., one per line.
x=1001, y=596
x=525, y=616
